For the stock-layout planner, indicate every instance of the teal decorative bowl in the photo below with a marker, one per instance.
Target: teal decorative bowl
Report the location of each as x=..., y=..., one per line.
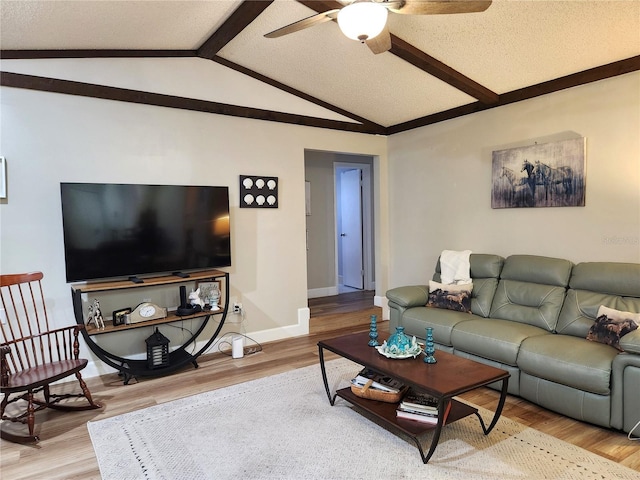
x=400, y=345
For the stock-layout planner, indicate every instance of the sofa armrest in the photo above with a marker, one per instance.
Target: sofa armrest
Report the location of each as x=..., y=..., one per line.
x=402, y=298
x=410, y=296
x=625, y=390
x=631, y=342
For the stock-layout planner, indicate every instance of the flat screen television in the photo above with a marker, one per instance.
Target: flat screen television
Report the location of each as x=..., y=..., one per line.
x=124, y=230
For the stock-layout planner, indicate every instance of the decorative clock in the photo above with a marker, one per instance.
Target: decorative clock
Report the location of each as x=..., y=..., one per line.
x=147, y=311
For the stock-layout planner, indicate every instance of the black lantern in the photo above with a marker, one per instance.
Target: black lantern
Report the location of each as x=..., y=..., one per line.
x=157, y=350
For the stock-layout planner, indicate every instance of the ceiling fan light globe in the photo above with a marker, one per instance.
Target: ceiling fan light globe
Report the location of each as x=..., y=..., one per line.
x=362, y=20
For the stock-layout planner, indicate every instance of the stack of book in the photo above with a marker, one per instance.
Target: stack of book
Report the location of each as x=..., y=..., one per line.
x=420, y=407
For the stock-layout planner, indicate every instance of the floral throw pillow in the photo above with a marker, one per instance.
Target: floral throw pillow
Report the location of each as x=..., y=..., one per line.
x=450, y=296
x=611, y=325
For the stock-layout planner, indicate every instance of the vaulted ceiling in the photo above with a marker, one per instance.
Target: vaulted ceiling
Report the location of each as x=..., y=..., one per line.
x=439, y=66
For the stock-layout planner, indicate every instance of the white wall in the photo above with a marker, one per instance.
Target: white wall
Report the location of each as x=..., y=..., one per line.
x=52, y=138
x=440, y=182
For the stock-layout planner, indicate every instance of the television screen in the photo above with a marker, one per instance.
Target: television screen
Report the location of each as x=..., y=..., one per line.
x=121, y=230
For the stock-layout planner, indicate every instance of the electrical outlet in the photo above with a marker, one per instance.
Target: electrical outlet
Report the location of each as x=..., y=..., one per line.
x=237, y=307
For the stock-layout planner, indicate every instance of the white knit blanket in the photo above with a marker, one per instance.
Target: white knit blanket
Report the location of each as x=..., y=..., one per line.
x=455, y=266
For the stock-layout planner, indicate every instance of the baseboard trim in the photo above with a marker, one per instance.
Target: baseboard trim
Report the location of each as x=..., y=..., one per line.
x=273, y=334
x=382, y=302
x=322, y=292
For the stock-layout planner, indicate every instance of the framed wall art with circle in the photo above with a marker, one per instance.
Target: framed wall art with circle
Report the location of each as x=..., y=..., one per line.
x=258, y=191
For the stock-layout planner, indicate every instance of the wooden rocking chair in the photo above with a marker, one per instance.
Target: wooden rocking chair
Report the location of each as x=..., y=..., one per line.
x=33, y=356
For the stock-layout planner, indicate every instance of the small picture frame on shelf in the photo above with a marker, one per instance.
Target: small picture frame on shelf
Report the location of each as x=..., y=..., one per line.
x=209, y=293
x=118, y=316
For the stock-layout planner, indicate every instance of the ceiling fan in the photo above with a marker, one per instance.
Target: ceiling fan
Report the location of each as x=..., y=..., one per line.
x=366, y=20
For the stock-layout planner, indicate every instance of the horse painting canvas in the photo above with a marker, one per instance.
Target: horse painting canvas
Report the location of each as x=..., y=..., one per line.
x=545, y=175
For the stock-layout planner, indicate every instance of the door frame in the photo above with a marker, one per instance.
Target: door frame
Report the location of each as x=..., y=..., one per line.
x=367, y=220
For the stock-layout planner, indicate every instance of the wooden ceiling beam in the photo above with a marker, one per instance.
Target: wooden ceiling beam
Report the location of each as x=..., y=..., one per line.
x=246, y=13
x=595, y=74
x=443, y=72
x=30, y=82
x=37, y=54
x=68, y=87
x=423, y=61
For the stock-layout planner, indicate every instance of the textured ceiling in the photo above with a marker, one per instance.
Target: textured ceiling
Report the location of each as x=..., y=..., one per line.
x=512, y=45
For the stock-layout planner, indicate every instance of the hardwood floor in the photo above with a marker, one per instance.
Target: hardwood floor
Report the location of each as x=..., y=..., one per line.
x=343, y=303
x=65, y=450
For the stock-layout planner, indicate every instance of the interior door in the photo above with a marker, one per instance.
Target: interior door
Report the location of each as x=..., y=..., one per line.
x=351, y=231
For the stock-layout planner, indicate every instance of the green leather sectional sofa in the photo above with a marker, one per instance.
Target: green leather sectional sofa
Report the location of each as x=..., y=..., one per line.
x=530, y=315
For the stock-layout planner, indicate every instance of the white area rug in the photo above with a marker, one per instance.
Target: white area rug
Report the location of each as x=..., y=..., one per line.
x=282, y=427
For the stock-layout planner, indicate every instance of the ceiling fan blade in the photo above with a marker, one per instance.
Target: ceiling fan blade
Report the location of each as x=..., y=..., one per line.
x=304, y=23
x=381, y=42
x=435, y=7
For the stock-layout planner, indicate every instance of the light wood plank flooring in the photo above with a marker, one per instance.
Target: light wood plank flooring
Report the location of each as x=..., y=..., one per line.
x=343, y=303
x=65, y=451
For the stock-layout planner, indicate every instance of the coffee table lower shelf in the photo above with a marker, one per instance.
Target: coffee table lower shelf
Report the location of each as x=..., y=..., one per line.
x=386, y=413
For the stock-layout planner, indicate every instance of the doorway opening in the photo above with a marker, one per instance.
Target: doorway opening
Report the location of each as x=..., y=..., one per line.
x=339, y=195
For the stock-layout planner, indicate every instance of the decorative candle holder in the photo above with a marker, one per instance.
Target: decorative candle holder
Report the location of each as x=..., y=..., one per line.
x=429, y=349
x=373, y=331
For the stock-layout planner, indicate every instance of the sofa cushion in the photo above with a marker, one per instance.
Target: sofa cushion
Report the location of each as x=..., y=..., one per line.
x=530, y=303
x=620, y=279
x=537, y=269
x=567, y=360
x=450, y=297
x=497, y=340
x=580, y=310
x=416, y=320
x=482, y=295
x=611, y=325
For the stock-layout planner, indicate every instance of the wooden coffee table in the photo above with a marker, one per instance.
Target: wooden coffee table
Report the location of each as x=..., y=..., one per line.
x=450, y=376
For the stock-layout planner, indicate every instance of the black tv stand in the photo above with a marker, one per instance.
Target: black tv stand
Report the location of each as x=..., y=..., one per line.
x=135, y=279
x=185, y=354
x=181, y=274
